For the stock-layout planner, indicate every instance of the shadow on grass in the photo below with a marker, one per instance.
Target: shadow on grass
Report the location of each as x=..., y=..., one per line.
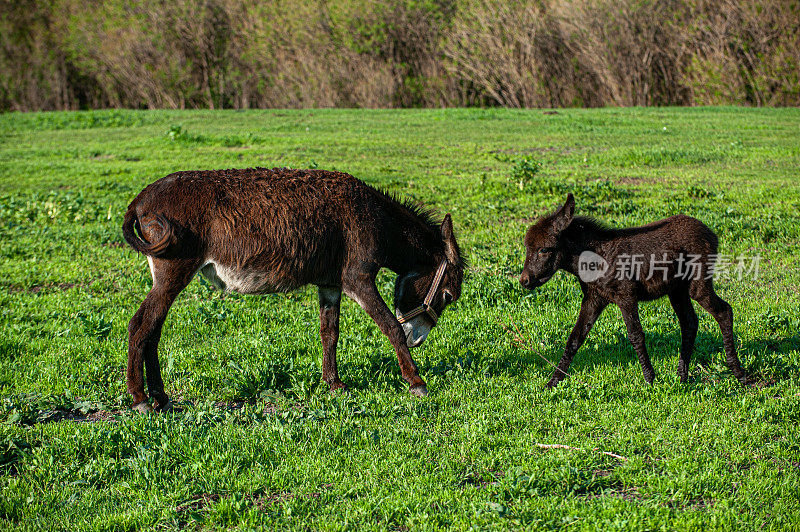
x=298, y=377
x=762, y=359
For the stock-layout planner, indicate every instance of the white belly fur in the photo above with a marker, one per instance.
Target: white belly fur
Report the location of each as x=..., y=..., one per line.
x=152, y=268
x=235, y=280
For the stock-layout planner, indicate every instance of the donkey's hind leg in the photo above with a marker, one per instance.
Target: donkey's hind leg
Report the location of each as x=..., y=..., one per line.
x=144, y=331
x=689, y=323
x=702, y=291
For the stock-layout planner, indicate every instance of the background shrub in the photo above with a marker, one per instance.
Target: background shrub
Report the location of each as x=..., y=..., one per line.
x=77, y=54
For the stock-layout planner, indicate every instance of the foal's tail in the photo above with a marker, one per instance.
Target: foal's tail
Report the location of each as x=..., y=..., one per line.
x=156, y=226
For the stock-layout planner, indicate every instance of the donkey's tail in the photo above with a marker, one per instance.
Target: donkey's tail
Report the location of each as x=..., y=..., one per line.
x=156, y=226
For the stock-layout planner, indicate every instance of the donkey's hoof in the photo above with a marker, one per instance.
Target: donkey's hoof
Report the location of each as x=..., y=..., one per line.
x=169, y=406
x=552, y=383
x=338, y=388
x=142, y=408
x=419, y=391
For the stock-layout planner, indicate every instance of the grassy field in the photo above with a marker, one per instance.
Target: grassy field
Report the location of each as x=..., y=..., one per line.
x=260, y=441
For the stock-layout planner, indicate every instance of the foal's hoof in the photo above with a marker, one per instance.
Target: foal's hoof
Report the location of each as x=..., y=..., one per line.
x=142, y=408
x=552, y=383
x=419, y=391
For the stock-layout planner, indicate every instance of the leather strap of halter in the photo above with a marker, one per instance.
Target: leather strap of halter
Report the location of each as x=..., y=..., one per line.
x=426, y=307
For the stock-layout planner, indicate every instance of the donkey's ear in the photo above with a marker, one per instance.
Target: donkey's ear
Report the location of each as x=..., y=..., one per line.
x=449, y=239
x=563, y=216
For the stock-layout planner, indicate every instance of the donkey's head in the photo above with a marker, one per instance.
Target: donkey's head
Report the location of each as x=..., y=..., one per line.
x=544, y=247
x=421, y=295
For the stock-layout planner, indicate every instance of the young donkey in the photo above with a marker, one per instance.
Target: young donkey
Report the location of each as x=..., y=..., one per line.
x=259, y=231
x=672, y=257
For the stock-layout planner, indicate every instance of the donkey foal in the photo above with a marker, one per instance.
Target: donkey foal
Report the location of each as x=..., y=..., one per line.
x=589, y=250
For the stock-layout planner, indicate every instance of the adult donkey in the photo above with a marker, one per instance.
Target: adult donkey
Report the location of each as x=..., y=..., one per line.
x=260, y=230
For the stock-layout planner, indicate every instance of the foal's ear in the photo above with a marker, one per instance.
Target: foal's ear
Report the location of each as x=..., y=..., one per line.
x=563, y=216
x=449, y=239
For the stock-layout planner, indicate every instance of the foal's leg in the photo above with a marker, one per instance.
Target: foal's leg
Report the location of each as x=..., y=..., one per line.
x=703, y=292
x=144, y=331
x=688, y=320
x=362, y=289
x=590, y=311
x=329, y=301
x=630, y=313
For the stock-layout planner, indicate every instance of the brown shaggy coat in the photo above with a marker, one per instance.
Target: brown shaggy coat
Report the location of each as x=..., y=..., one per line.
x=272, y=230
x=563, y=242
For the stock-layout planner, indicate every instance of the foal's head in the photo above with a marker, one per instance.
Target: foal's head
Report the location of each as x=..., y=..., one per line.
x=544, y=249
x=421, y=296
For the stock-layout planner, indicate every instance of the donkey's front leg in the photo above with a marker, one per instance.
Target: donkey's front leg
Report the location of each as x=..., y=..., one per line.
x=364, y=292
x=630, y=313
x=687, y=318
x=591, y=309
x=329, y=302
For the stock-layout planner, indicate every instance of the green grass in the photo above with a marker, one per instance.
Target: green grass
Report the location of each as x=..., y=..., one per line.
x=262, y=443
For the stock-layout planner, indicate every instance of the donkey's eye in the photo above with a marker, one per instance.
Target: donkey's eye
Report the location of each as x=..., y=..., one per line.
x=543, y=251
x=448, y=297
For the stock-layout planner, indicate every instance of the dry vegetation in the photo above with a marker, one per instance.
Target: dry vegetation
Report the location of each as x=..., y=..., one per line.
x=73, y=54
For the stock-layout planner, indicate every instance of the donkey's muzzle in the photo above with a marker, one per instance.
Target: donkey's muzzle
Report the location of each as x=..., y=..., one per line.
x=530, y=282
x=527, y=281
x=416, y=329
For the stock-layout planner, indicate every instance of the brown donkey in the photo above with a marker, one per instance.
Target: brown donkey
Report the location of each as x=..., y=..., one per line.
x=258, y=231
x=672, y=257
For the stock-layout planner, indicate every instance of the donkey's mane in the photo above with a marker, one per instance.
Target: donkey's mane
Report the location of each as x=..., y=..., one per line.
x=583, y=227
x=587, y=224
x=427, y=216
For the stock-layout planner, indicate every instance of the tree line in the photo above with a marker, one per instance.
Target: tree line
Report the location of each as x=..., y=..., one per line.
x=84, y=54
